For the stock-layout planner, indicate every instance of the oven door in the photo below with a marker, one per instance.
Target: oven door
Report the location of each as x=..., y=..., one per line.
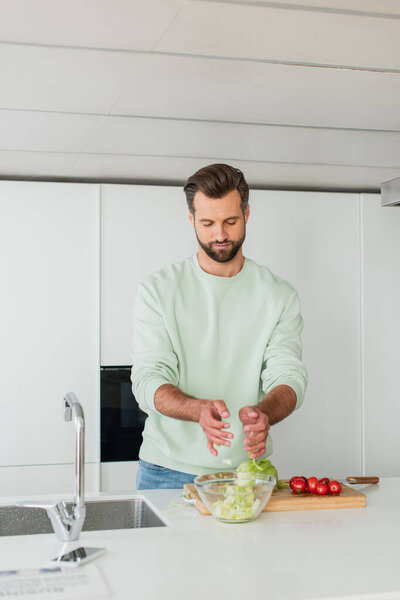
x=122, y=421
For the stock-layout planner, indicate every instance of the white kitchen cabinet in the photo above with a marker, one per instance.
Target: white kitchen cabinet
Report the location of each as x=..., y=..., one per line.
x=143, y=228
x=119, y=476
x=312, y=240
x=381, y=335
x=49, y=243
x=56, y=479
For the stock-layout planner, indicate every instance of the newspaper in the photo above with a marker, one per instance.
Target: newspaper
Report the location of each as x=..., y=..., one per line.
x=57, y=583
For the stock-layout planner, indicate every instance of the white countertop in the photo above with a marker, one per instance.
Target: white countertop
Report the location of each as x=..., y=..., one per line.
x=344, y=553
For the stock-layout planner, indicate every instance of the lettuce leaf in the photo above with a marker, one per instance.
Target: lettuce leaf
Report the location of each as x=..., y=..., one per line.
x=261, y=465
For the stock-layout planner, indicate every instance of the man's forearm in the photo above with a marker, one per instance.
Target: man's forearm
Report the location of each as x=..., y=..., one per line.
x=278, y=403
x=170, y=401
x=209, y=414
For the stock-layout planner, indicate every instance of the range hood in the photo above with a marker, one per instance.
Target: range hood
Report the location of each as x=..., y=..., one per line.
x=390, y=192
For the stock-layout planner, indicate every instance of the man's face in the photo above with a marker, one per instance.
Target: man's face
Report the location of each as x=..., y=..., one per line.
x=219, y=224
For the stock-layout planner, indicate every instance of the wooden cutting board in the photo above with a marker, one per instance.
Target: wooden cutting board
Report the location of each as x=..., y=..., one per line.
x=285, y=499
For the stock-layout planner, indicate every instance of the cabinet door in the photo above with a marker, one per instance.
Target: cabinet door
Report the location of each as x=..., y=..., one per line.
x=49, y=315
x=312, y=240
x=381, y=320
x=143, y=228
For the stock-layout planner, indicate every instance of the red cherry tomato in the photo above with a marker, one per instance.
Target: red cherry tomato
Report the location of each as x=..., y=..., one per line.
x=299, y=486
x=312, y=484
x=297, y=477
x=292, y=480
x=321, y=488
x=334, y=487
x=324, y=480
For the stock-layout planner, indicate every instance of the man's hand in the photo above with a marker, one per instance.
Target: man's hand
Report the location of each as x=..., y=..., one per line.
x=213, y=426
x=255, y=426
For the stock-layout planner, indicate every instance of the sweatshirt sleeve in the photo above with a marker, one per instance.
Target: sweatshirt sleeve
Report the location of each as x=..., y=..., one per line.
x=282, y=360
x=154, y=362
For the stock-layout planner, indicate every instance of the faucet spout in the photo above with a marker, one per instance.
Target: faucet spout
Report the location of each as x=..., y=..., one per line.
x=73, y=408
x=67, y=523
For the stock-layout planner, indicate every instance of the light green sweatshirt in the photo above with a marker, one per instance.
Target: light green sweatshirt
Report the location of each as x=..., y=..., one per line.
x=230, y=338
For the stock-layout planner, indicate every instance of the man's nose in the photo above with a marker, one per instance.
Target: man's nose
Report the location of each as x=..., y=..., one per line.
x=220, y=233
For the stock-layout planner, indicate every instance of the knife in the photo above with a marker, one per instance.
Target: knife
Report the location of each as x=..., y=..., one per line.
x=361, y=480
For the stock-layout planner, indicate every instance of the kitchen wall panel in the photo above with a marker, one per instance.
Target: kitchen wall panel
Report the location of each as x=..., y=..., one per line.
x=49, y=319
x=312, y=240
x=143, y=228
x=381, y=335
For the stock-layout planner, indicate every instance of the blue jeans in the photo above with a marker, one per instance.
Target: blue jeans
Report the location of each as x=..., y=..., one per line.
x=151, y=476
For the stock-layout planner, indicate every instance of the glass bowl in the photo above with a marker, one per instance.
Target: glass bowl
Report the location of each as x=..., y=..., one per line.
x=235, y=497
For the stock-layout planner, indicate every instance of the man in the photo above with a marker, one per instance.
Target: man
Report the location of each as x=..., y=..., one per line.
x=216, y=348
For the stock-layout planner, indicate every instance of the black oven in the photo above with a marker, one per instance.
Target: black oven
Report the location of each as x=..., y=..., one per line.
x=122, y=421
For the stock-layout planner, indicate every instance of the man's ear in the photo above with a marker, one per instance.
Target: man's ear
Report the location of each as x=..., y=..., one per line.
x=191, y=218
x=247, y=213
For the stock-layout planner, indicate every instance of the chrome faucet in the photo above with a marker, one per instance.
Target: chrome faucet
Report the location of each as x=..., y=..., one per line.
x=67, y=522
x=72, y=407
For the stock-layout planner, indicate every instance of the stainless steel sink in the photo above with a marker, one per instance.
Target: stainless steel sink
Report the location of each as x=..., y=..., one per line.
x=100, y=515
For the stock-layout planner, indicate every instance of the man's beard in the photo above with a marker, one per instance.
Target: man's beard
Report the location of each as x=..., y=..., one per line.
x=224, y=254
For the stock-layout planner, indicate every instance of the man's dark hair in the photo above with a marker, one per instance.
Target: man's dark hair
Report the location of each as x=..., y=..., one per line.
x=215, y=181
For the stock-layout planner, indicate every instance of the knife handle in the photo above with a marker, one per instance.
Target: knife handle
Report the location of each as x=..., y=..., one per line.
x=362, y=479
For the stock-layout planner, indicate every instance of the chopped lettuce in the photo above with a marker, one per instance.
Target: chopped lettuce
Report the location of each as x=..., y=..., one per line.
x=239, y=503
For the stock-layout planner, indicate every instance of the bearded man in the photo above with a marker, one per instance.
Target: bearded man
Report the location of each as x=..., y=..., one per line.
x=217, y=354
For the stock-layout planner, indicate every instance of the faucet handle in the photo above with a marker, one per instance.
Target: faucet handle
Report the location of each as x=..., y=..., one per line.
x=66, y=525
x=45, y=504
x=56, y=509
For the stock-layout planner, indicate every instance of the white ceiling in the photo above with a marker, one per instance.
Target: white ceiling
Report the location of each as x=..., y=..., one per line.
x=298, y=94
